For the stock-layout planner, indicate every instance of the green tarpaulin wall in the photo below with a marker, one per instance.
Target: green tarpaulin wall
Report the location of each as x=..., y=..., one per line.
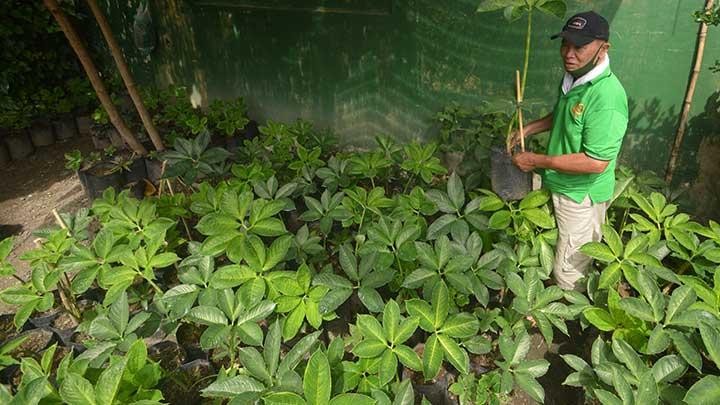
x=365, y=67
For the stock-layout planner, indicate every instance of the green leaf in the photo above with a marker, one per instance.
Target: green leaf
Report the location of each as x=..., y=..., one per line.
x=539, y=217
x=599, y=251
x=711, y=339
x=388, y=367
x=352, y=399
x=704, y=392
x=607, y=398
x=500, y=220
x=441, y=226
x=687, y=350
x=637, y=308
x=432, y=357
x=371, y=299
x=317, y=381
x=109, y=382
x=440, y=304
x=406, y=330
x=405, y=394
x=370, y=327
x=600, y=318
x=556, y=8
x=269, y=227
x=528, y=384
x=680, y=300
x=390, y=320
x=627, y=355
x=271, y=349
x=647, y=392
x=76, y=390
x=408, y=357
x=233, y=386
x=348, y=263
x=298, y=351
x=423, y=312
x=514, y=351
x=535, y=368
x=669, y=369
x=369, y=348
x=119, y=313
x=462, y=325
x=535, y=199
x=207, y=315
x=253, y=362
x=456, y=192
x=283, y=398
x=294, y=321
x=454, y=354
x=613, y=240
x=277, y=252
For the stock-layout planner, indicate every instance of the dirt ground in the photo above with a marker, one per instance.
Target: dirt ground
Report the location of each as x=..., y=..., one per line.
x=30, y=189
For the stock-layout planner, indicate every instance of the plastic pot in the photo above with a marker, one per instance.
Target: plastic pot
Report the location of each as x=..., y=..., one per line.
x=83, y=123
x=136, y=177
x=19, y=145
x=153, y=168
x=41, y=133
x=508, y=182
x=4, y=155
x=65, y=128
x=98, y=178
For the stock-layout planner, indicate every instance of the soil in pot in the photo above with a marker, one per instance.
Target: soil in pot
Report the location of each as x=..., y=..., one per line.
x=4, y=155
x=98, y=178
x=41, y=133
x=65, y=128
x=19, y=145
x=188, y=337
x=7, y=328
x=437, y=391
x=183, y=386
x=168, y=353
x=508, y=182
x=36, y=340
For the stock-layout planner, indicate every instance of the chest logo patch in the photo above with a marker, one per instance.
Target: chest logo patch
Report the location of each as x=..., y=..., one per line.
x=578, y=109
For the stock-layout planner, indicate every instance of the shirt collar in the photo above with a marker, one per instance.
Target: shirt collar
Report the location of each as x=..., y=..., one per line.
x=570, y=83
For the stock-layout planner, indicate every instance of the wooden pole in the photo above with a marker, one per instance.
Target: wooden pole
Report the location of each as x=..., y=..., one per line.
x=126, y=75
x=690, y=92
x=94, y=77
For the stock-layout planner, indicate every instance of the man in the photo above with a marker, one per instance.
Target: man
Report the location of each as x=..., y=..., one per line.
x=587, y=127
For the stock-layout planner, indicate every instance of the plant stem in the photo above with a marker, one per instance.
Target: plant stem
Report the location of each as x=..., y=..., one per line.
x=528, y=36
x=407, y=185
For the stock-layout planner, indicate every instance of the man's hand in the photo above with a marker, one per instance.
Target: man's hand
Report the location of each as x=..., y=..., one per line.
x=525, y=161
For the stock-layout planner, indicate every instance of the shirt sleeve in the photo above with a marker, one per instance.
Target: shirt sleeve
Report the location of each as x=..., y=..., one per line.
x=603, y=133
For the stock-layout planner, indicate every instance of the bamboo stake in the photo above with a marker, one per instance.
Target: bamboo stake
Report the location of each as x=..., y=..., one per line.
x=65, y=285
x=519, y=96
x=126, y=75
x=689, y=93
x=94, y=77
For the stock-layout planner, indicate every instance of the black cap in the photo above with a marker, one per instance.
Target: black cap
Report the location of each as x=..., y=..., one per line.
x=583, y=28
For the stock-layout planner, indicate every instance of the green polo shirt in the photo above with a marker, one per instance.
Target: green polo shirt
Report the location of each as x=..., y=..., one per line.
x=591, y=119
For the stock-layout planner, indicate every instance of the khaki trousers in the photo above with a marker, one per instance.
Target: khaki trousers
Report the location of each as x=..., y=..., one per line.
x=577, y=225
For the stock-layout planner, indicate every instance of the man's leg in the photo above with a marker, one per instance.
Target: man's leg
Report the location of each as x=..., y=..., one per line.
x=577, y=225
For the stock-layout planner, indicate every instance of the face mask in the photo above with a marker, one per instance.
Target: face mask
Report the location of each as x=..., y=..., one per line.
x=582, y=71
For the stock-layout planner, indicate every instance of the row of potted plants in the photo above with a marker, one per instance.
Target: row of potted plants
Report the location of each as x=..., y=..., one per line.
x=303, y=274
